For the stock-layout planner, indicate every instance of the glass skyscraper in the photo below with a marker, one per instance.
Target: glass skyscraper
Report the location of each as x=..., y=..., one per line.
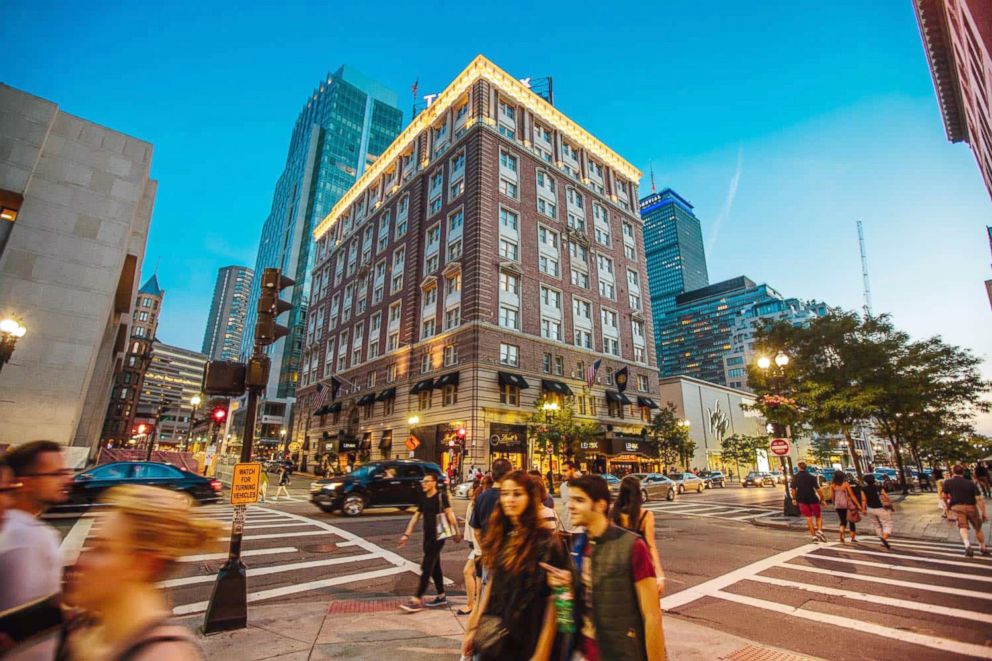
x=347, y=122
x=226, y=323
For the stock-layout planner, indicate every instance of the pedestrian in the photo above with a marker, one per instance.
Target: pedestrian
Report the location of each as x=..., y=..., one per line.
x=472, y=571
x=263, y=484
x=965, y=500
x=515, y=618
x=285, y=471
x=547, y=515
x=550, y=476
x=628, y=514
x=439, y=524
x=938, y=476
x=805, y=494
x=879, y=509
x=617, y=609
x=982, y=477
x=30, y=561
x=847, y=505
x=124, y=614
x=485, y=503
x=568, y=473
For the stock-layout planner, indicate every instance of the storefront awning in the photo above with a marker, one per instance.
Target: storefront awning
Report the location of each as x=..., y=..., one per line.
x=386, y=394
x=446, y=380
x=547, y=385
x=334, y=408
x=515, y=380
x=618, y=397
x=646, y=402
x=365, y=400
x=426, y=384
x=321, y=411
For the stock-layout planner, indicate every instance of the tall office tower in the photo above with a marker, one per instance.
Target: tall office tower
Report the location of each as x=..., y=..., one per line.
x=749, y=318
x=129, y=377
x=957, y=37
x=696, y=333
x=673, y=241
x=347, y=122
x=75, y=205
x=173, y=377
x=482, y=266
x=226, y=323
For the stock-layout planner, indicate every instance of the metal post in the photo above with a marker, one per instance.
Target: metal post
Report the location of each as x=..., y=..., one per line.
x=228, y=605
x=789, y=508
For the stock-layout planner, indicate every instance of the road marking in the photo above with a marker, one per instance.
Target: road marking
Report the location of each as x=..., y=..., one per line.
x=203, y=557
x=704, y=589
x=903, y=546
x=926, y=587
x=875, y=599
x=200, y=606
x=275, y=569
x=918, y=558
x=922, y=544
x=914, y=570
x=280, y=535
x=275, y=524
x=943, y=644
x=72, y=543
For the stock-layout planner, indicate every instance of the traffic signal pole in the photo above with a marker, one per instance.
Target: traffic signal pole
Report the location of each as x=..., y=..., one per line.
x=228, y=605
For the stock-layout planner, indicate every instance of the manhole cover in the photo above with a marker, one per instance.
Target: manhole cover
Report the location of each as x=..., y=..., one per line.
x=363, y=606
x=320, y=548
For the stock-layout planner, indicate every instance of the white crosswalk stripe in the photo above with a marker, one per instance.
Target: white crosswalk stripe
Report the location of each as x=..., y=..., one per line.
x=929, y=586
x=709, y=509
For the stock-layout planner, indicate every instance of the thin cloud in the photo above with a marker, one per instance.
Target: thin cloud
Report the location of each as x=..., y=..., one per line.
x=728, y=203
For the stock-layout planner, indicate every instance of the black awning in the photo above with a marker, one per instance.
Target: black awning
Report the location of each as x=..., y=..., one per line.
x=426, y=384
x=320, y=411
x=618, y=397
x=334, y=408
x=365, y=400
x=446, y=380
x=646, y=402
x=515, y=380
x=386, y=394
x=547, y=385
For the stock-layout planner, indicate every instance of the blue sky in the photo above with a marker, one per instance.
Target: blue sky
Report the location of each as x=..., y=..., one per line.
x=782, y=122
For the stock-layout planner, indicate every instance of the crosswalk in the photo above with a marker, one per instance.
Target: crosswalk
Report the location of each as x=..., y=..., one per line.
x=709, y=509
x=921, y=594
x=286, y=554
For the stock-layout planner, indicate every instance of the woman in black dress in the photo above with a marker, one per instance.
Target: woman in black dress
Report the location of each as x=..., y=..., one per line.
x=515, y=618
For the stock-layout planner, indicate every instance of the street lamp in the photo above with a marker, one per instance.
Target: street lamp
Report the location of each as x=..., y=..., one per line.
x=549, y=409
x=778, y=429
x=413, y=420
x=11, y=330
x=194, y=401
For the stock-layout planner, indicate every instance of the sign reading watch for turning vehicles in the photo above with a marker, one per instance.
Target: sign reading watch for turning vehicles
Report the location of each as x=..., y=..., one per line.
x=780, y=446
x=244, y=483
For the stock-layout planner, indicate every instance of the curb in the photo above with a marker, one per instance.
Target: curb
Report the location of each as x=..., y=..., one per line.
x=776, y=522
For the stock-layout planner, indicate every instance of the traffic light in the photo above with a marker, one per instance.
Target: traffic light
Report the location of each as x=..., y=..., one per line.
x=460, y=434
x=142, y=429
x=271, y=306
x=219, y=415
x=224, y=377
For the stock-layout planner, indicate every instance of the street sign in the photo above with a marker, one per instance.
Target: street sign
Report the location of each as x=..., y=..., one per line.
x=244, y=483
x=780, y=446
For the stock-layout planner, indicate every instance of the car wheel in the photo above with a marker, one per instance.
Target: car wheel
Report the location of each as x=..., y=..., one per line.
x=326, y=508
x=353, y=505
x=723, y=484
x=700, y=489
x=670, y=495
x=681, y=489
x=644, y=496
x=744, y=485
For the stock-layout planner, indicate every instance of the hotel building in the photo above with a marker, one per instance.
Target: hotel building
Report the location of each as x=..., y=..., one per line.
x=474, y=272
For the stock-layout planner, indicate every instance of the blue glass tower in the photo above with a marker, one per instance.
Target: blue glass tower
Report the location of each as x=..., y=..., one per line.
x=347, y=122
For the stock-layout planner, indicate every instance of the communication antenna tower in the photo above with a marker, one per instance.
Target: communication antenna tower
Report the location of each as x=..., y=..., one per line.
x=864, y=269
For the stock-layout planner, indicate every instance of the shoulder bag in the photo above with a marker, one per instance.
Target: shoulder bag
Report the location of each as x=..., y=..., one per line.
x=444, y=527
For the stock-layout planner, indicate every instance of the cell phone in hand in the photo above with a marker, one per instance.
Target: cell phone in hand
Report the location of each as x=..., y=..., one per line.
x=32, y=619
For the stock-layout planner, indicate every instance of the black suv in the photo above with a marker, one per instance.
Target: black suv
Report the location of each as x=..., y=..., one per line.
x=714, y=479
x=394, y=483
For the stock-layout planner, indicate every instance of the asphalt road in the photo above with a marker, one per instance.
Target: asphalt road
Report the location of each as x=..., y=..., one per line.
x=922, y=600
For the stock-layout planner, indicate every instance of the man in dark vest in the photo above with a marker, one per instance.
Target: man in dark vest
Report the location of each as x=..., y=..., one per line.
x=618, y=615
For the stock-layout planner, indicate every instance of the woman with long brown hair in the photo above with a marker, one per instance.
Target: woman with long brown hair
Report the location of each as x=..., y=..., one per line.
x=628, y=513
x=515, y=618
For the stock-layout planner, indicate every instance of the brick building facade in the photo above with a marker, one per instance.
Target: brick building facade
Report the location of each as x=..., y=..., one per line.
x=490, y=255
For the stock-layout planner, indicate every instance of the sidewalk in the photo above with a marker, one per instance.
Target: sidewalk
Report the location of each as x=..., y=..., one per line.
x=915, y=516
x=375, y=628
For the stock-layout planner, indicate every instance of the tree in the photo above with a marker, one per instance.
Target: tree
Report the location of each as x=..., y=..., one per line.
x=669, y=436
x=822, y=449
x=738, y=449
x=563, y=433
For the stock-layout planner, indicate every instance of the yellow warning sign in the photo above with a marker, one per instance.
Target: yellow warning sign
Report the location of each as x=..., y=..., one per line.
x=244, y=483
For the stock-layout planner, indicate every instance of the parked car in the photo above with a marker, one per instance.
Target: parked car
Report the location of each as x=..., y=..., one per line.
x=714, y=479
x=88, y=486
x=687, y=482
x=656, y=486
x=758, y=479
x=613, y=482
x=779, y=476
x=393, y=483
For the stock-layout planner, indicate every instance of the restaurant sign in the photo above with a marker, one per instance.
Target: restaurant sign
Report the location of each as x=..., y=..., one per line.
x=507, y=438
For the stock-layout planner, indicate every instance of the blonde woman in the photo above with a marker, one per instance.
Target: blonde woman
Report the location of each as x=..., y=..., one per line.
x=123, y=614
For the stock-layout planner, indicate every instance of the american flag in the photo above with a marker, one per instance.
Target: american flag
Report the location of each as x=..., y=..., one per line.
x=591, y=372
x=321, y=396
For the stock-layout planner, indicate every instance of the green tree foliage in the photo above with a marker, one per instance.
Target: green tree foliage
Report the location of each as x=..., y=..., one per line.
x=669, y=436
x=739, y=449
x=822, y=449
x=564, y=433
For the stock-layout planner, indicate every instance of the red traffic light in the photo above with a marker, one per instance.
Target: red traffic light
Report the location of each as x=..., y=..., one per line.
x=461, y=433
x=219, y=414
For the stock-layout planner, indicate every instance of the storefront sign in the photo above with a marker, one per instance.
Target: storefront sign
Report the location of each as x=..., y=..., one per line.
x=630, y=445
x=348, y=445
x=598, y=446
x=507, y=438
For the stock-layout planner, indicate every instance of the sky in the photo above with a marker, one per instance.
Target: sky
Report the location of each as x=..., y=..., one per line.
x=782, y=122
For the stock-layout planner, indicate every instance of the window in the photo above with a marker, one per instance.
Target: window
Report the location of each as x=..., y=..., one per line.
x=427, y=328
x=452, y=284
x=370, y=380
x=450, y=395
x=431, y=264
x=551, y=297
x=609, y=318
x=580, y=279
x=607, y=290
x=450, y=355
x=508, y=249
x=582, y=309
x=455, y=221
x=576, y=222
x=394, y=312
x=637, y=328
x=454, y=250
x=458, y=162
x=611, y=346
x=603, y=235
x=548, y=265
x=635, y=301
x=508, y=219
x=506, y=110
x=642, y=383
x=508, y=188
x=546, y=363
x=393, y=341
x=551, y=329
x=434, y=235
x=452, y=318
x=583, y=338
x=605, y=264
x=426, y=363
x=509, y=395
x=633, y=279
x=559, y=366
x=508, y=354
x=430, y=296
x=630, y=252
x=391, y=373
x=509, y=317
x=507, y=161
x=545, y=207
x=545, y=181
x=639, y=355
x=424, y=399
x=509, y=282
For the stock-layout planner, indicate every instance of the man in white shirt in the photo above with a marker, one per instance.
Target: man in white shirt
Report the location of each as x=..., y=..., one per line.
x=30, y=562
x=568, y=472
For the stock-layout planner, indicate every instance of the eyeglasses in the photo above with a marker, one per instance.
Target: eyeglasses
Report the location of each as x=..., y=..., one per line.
x=13, y=486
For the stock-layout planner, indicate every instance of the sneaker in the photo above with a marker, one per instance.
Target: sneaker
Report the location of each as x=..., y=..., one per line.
x=413, y=606
x=815, y=539
x=885, y=543
x=985, y=552
x=970, y=552
x=440, y=600
x=820, y=536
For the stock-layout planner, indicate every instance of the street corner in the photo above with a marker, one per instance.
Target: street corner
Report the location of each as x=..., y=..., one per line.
x=359, y=622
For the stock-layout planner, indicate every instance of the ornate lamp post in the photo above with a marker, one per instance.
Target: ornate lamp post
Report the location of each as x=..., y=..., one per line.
x=194, y=401
x=11, y=330
x=778, y=428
